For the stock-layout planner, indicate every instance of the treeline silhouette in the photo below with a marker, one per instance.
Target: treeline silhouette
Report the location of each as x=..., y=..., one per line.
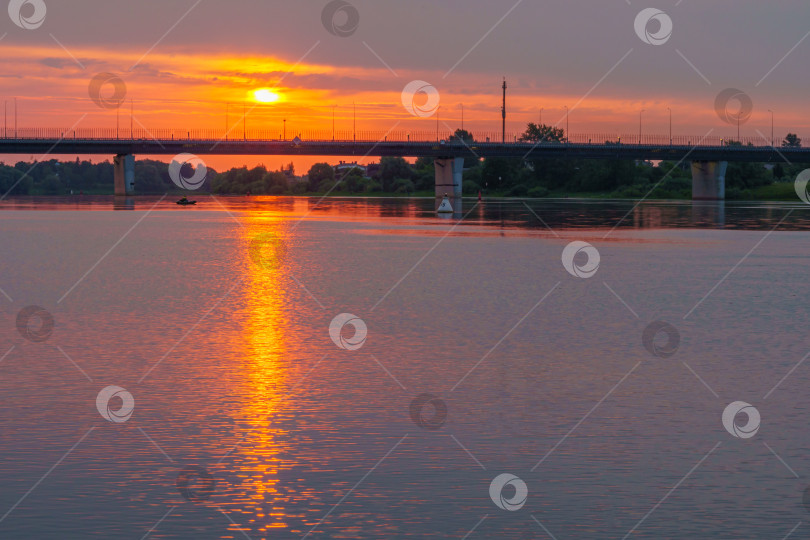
x=55, y=177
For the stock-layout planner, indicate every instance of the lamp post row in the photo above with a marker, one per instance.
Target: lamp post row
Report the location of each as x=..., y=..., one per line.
x=354, y=122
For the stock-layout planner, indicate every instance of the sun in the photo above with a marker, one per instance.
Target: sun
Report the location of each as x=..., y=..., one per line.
x=264, y=95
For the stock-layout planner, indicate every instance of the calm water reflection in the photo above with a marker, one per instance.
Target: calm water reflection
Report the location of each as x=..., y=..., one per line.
x=216, y=319
x=557, y=213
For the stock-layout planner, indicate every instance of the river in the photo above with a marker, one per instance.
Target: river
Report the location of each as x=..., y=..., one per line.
x=362, y=368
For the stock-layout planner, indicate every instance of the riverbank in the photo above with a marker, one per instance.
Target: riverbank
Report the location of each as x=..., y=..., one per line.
x=779, y=191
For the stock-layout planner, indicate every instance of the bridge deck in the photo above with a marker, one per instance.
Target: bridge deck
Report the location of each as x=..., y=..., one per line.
x=72, y=146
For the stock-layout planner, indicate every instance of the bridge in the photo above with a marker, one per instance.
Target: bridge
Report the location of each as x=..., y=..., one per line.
x=709, y=157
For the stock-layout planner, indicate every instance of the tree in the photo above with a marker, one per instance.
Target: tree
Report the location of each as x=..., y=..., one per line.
x=367, y=185
x=318, y=173
x=147, y=178
x=393, y=168
x=792, y=141
x=551, y=173
x=499, y=174
x=542, y=133
x=403, y=185
x=275, y=183
x=424, y=177
x=424, y=163
x=747, y=175
x=462, y=135
x=9, y=176
x=351, y=180
x=466, y=138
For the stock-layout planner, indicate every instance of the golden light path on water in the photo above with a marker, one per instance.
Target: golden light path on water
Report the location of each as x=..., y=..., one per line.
x=264, y=376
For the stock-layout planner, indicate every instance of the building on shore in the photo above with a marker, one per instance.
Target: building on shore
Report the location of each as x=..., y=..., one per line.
x=344, y=167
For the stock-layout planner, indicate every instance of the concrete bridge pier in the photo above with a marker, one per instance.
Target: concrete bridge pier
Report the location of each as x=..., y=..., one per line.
x=124, y=173
x=709, y=180
x=449, y=172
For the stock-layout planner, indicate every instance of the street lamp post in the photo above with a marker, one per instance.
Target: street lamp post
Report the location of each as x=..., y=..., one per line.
x=567, y=132
x=333, y=123
x=503, y=114
x=640, y=113
x=284, y=132
x=772, y=140
x=670, y=125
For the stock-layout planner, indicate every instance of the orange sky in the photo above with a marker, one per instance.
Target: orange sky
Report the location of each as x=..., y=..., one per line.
x=215, y=54
x=191, y=91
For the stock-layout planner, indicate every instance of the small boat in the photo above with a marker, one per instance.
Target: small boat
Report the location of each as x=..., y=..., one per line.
x=186, y=202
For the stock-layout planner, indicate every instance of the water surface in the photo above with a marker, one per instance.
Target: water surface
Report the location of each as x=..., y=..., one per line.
x=216, y=320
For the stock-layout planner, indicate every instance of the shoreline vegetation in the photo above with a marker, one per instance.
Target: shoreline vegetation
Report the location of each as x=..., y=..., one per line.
x=553, y=178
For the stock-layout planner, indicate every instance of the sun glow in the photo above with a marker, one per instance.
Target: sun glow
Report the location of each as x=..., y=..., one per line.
x=263, y=95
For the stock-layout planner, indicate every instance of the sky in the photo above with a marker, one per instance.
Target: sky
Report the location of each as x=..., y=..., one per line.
x=184, y=64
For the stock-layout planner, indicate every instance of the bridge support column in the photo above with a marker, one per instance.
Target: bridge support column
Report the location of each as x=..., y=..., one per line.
x=709, y=180
x=449, y=172
x=124, y=173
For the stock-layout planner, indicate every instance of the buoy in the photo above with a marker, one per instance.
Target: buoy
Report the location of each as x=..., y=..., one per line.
x=445, y=207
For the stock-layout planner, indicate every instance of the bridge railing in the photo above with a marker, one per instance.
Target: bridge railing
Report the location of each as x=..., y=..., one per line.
x=480, y=137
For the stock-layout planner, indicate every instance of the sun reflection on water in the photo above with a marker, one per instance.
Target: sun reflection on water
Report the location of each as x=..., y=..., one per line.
x=257, y=461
